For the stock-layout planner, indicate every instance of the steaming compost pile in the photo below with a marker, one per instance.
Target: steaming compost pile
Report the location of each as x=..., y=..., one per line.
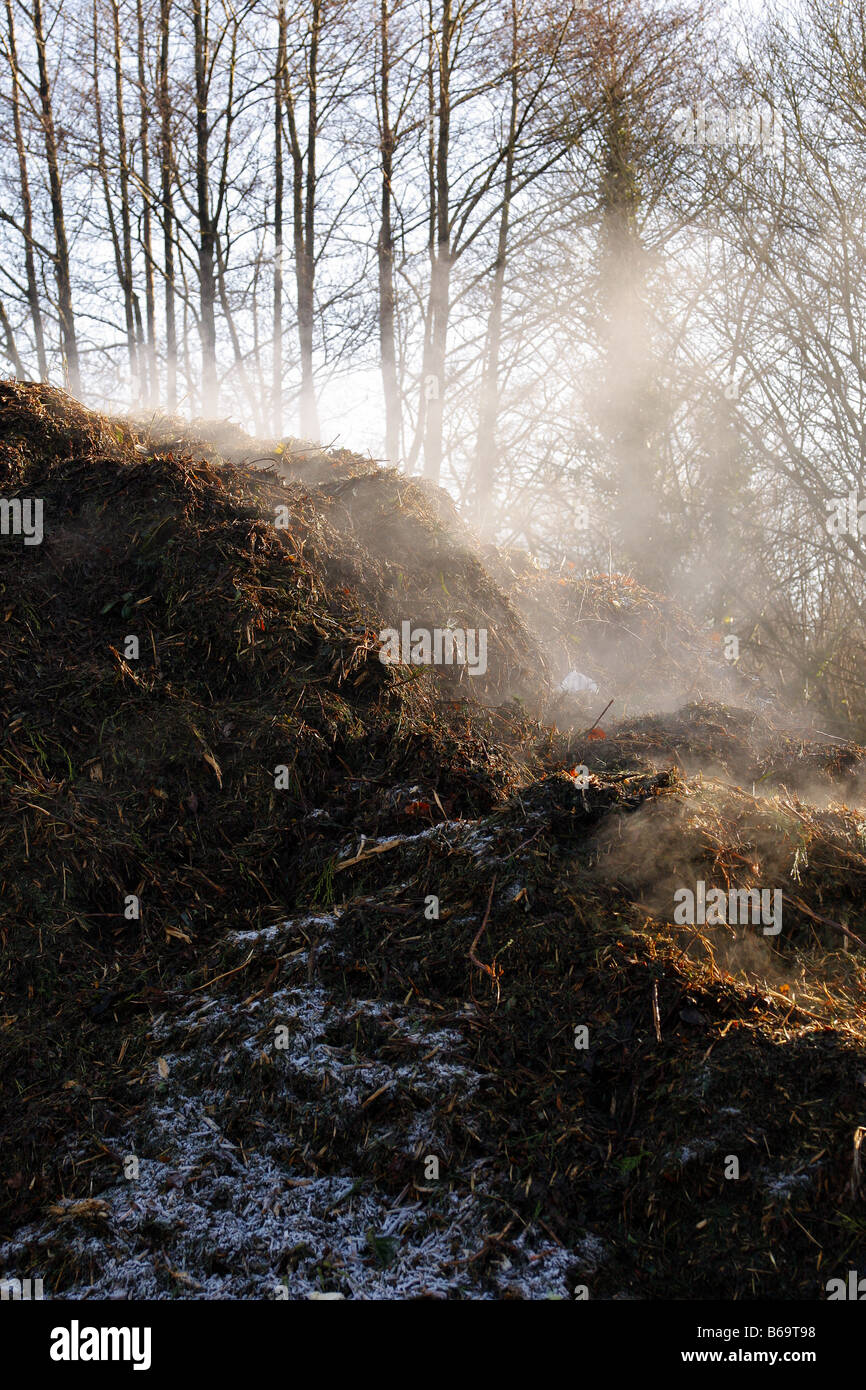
x=323, y=976
x=624, y=637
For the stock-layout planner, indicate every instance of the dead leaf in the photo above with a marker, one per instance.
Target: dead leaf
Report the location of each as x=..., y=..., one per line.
x=88, y=1206
x=212, y=762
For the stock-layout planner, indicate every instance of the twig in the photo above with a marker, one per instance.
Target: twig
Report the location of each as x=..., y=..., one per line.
x=367, y=854
x=855, y=1180
x=597, y=721
x=207, y=983
x=656, y=1019
x=825, y=921
x=488, y=970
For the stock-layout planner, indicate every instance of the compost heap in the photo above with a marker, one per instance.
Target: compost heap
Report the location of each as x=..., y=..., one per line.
x=324, y=976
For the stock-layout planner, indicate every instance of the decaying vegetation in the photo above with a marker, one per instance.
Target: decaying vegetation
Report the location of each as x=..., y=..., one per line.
x=300, y=1158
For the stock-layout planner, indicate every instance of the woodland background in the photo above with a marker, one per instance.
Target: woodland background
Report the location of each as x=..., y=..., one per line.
x=597, y=268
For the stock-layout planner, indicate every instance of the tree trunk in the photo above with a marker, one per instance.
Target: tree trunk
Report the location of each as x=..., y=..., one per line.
x=69, y=342
x=303, y=208
x=385, y=251
x=626, y=403
x=486, y=452
x=440, y=281
x=167, y=206
x=125, y=267
x=9, y=344
x=26, y=206
x=279, y=83
x=206, y=229
x=148, y=359
x=307, y=262
x=428, y=381
x=108, y=193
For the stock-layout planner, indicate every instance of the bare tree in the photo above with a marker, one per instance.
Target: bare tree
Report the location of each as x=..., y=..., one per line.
x=304, y=213
x=33, y=301
x=69, y=341
x=147, y=358
x=385, y=244
x=279, y=99
x=166, y=203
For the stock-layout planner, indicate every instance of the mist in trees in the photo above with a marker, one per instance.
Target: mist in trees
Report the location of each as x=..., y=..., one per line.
x=598, y=267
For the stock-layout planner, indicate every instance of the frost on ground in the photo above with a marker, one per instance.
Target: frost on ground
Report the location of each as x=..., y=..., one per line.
x=206, y=1217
